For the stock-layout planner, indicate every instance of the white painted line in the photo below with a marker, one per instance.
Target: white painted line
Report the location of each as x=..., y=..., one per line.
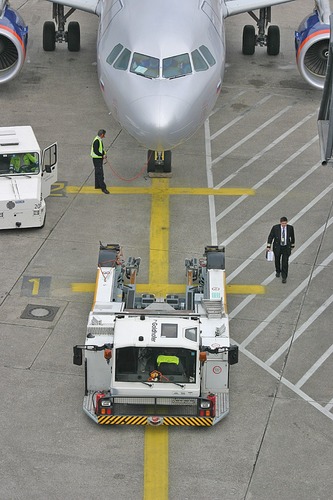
x=267, y=207
x=299, y=331
x=268, y=148
x=240, y=117
x=329, y=405
x=314, y=367
x=286, y=302
x=285, y=382
x=265, y=179
x=251, y=135
x=260, y=250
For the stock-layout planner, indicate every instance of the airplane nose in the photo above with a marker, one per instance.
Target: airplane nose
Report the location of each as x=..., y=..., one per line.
x=160, y=122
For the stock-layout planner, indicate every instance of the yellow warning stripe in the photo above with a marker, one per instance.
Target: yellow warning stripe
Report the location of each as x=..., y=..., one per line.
x=191, y=421
x=122, y=420
x=167, y=421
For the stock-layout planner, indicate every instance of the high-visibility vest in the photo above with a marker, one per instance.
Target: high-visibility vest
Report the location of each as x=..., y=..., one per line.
x=167, y=359
x=15, y=162
x=29, y=159
x=100, y=148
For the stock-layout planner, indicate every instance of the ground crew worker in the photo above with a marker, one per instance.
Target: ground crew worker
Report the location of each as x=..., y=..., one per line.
x=98, y=155
x=15, y=163
x=30, y=162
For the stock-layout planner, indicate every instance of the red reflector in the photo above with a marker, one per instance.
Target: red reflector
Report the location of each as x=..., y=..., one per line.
x=108, y=411
x=202, y=413
x=99, y=395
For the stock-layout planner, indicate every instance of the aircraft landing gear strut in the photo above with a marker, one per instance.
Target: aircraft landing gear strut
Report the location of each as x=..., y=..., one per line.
x=51, y=35
x=159, y=163
x=271, y=40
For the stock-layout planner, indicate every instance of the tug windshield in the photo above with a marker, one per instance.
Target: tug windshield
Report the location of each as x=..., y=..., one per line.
x=19, y=163
x=153, y=364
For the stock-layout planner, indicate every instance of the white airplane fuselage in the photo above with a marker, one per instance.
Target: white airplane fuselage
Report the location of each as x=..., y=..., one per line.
x=161, y=113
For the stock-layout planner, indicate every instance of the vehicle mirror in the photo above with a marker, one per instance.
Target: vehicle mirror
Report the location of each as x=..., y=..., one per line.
x=77, y=355
x=233, y=354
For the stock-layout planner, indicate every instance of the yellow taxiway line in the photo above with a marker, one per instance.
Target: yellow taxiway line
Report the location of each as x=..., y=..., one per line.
x=168, y=191
x=156, y=463
x=163, y=289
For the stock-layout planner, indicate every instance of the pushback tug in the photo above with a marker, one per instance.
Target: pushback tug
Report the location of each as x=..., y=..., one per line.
x=157, y=361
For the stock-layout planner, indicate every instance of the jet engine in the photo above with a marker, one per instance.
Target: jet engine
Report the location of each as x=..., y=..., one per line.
x=13, y=42
x=312, y=48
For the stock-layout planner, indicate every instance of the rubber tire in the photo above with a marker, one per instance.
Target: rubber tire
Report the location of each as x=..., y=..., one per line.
x=73, y=36
x=49, y=36
x=151, y=161
x=167, y=162
x=249, y=40
x=273, y=40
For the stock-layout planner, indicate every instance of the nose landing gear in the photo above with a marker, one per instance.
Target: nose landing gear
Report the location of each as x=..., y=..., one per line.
x=271, y=40
x=51, y=35
x=159, y=163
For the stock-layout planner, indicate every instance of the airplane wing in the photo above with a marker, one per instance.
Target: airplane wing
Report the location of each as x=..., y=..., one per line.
x=234, y=7
x=86, y=5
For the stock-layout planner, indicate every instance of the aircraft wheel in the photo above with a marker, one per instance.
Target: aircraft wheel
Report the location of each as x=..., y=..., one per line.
x=49, y=36
x=273, y=40
x=151, y=161
x=249, y=40
x=167, y=162
x=73, y=36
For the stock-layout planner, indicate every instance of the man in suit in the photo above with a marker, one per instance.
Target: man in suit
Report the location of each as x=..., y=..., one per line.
x=283, y=237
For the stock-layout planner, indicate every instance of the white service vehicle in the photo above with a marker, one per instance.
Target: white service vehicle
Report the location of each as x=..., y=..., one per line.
x=26, y=176
x=157, y=361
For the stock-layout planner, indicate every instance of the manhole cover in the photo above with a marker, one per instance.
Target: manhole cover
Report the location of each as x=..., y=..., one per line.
x=43, y=313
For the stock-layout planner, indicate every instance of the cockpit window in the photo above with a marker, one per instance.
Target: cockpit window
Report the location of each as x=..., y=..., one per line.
x=199, y=63
x=19, y=163
x=114, y=53
x=176, y=66
x=145, y=65
x=123, y=60
x=207, y=55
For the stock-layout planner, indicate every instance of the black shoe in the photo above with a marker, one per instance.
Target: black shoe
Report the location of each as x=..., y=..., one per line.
x=284, y=280
x=277, y=275
x=105, y=191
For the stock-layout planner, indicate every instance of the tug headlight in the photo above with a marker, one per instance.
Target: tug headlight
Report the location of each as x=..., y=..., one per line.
x=105, y=402
x=204, y=404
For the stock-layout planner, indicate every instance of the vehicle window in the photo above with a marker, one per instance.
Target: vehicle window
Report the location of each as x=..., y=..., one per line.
x=136, y=364
x=199, y=63
x=207, y=55
x=191, y=334
x=176, y=66
x=169, y=330
x=114, y=53
x=123, y=60
x=19, y=163
x=145, y=65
